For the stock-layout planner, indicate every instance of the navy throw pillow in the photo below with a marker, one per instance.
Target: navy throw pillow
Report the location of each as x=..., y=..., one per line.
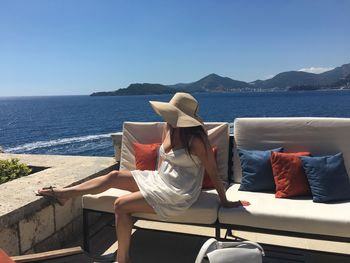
x=256, y=170
x=327, y=177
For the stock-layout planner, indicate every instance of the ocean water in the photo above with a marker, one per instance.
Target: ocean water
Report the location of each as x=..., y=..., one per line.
x=81, y=125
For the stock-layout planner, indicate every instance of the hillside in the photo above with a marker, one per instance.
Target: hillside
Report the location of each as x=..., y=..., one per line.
x=336, y=74
x=216, y=83
x=286, y=80
x=138, y=89
x=343, y=83
x=290, y=80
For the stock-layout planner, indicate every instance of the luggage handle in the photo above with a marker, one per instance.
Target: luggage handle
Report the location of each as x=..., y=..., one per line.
x=221, y=245
x=212, y=242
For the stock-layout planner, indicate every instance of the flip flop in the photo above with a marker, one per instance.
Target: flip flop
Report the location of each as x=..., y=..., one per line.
x=51, y=197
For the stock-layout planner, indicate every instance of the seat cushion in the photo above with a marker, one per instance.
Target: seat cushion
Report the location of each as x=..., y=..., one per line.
x=204, y=211
x=297, y=215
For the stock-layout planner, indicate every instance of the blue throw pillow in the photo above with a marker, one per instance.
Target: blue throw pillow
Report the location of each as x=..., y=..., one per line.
x=256, y=170
x=327, y=177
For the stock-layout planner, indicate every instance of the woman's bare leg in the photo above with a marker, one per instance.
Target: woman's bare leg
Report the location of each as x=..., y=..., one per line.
x=115, y=179
x=124, y=207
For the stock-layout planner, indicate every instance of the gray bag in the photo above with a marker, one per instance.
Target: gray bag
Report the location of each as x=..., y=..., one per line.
x=214, y=251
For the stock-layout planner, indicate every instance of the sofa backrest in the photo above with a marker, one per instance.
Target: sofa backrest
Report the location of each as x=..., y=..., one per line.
x=320, y=136
x=151, y=132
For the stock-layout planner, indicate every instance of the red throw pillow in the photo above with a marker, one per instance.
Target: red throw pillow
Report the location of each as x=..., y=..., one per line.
x=146, y=156
x=289, y=175
x=207, y=183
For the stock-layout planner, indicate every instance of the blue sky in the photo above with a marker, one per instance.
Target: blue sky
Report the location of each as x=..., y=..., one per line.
x=65, y=47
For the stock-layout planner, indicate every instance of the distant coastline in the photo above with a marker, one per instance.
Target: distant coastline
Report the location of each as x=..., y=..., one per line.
x=335, y=79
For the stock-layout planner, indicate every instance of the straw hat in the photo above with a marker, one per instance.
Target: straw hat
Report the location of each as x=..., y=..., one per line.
x=180, y=111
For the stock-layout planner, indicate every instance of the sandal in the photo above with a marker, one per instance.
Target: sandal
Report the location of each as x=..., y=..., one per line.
x=52, y=196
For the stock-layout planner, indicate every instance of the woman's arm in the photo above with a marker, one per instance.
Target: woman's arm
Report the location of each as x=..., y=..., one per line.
x=206, y=155
x=164, y=135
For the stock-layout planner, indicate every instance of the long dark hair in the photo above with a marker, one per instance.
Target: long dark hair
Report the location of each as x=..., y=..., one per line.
x=187, y=134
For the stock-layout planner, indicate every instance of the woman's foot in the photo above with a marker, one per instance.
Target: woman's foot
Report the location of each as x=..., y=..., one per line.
x=243, y=203
x=52, y=193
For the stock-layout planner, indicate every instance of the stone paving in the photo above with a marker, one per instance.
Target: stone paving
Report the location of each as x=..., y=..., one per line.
x=182, y=244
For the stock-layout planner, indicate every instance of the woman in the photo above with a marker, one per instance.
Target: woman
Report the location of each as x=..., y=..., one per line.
x=184, y=154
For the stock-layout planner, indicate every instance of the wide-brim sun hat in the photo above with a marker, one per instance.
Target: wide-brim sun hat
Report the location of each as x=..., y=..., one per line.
x=180, y=111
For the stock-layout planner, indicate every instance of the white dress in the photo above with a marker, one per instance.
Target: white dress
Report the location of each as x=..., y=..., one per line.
x=175, y=186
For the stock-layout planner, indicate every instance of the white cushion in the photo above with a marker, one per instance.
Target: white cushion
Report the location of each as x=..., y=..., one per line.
x=204, y=211
x=151, y=132
x=296, y=215
x=320, y=136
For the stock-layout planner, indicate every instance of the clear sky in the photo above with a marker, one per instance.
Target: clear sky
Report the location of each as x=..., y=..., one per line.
x=63, y=47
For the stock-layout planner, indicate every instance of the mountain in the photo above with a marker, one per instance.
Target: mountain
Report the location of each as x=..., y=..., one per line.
x=286, y=80
x=216, y=83
x=335, y=74
x=290, y=80
x=138, y=89
x=210, y=83
x=343, y=83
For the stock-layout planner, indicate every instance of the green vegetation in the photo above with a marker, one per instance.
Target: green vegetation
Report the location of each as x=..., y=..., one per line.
x=11, y=169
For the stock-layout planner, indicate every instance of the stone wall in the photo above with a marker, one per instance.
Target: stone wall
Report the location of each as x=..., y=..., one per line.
x=46, y=229
x=34, y=224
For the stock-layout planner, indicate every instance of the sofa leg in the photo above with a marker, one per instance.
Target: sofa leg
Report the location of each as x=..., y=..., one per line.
x=228, y=233
x=86, y=242
x=217, y=232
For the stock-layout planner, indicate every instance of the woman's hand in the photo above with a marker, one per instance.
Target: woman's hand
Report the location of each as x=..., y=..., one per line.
x=230, y=204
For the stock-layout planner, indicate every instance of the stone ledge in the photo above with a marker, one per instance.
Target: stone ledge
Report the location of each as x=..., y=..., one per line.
x=19, y=206
x=17, y=199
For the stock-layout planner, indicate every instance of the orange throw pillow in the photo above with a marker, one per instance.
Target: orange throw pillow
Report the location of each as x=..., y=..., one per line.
x=289, y=175
x=4, y=258
x=207, y=183
x=146, y=156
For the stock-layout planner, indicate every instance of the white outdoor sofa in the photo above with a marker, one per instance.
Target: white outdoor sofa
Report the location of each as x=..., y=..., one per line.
x=292, y=217
x=297, y=216
x=203, y=212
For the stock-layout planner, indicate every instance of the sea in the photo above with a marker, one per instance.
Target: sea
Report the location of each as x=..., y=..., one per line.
x=82, y=125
